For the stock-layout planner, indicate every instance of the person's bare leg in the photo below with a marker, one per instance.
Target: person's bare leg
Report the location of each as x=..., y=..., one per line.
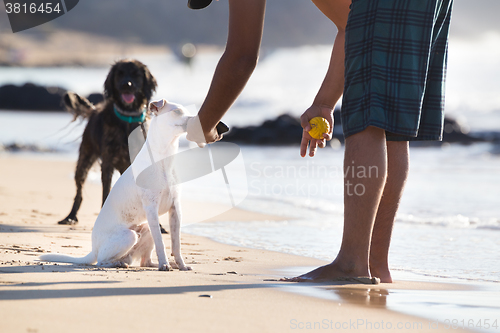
x=397, y=172
x=365, y=169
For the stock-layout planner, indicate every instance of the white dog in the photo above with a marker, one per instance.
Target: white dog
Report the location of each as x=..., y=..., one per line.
x=127, y=227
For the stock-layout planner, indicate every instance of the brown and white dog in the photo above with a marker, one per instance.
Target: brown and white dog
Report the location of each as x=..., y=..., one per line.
x=127, y=90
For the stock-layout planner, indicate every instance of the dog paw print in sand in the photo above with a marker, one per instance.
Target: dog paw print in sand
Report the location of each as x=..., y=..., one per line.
x=29, y=250
x=235, y=259
x=10, y=250
x=36, y=212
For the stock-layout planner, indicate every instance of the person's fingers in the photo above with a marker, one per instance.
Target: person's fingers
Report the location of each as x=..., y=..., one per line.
x=328, y=136
x=303, y=144
x=321, y=144
x=312, y=147
x=304, y=122
x=218, y=137
x=212, y=136
x=329, y=117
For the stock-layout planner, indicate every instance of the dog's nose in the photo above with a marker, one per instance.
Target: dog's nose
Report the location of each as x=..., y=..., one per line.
x=127, y=84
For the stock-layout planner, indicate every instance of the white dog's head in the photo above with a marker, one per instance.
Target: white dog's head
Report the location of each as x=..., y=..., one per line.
x=171, y=118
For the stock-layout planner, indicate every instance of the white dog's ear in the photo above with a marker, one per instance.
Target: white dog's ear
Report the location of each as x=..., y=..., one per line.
x=156, y=106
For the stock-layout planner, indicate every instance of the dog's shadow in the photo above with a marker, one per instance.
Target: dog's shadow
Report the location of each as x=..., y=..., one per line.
x=34, y=291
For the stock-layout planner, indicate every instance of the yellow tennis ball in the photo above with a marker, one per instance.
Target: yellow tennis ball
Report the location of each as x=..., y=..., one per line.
x=319, y=125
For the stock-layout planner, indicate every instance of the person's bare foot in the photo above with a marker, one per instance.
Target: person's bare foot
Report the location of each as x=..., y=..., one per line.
x=327, y=273
x=382, y=272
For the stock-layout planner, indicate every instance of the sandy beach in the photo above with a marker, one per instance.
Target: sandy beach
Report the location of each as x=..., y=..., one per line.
x=230, y=289
x=52, y=50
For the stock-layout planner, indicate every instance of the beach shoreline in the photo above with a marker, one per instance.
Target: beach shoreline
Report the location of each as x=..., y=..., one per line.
x=231, y=289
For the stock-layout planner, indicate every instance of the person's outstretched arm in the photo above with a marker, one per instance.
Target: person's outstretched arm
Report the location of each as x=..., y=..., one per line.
x=246, y=22
x=333, y=84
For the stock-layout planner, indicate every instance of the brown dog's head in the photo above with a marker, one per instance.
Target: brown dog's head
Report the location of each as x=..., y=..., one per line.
x=129, y=84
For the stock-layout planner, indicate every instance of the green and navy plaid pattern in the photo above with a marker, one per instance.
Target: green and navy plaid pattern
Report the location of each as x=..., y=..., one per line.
x=395, y=67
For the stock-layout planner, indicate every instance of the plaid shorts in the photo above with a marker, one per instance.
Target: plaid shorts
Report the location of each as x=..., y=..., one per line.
x=395, y=67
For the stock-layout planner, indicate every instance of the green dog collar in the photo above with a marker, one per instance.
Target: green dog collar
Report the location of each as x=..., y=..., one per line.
x=137, y=117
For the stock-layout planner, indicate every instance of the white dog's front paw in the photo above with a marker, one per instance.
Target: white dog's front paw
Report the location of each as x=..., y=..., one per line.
x=164, y=267
x=183, y=267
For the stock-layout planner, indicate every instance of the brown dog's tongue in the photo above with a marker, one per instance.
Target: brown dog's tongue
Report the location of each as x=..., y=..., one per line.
x=128, y=98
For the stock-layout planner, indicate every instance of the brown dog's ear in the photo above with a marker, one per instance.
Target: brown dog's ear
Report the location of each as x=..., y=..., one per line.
x=109, y=84
x=149, y=83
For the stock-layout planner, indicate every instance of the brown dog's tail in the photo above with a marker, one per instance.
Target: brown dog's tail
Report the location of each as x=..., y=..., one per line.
x=78, y=106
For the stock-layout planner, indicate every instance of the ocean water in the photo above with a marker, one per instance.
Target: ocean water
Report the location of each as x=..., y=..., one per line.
x=448, y=224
